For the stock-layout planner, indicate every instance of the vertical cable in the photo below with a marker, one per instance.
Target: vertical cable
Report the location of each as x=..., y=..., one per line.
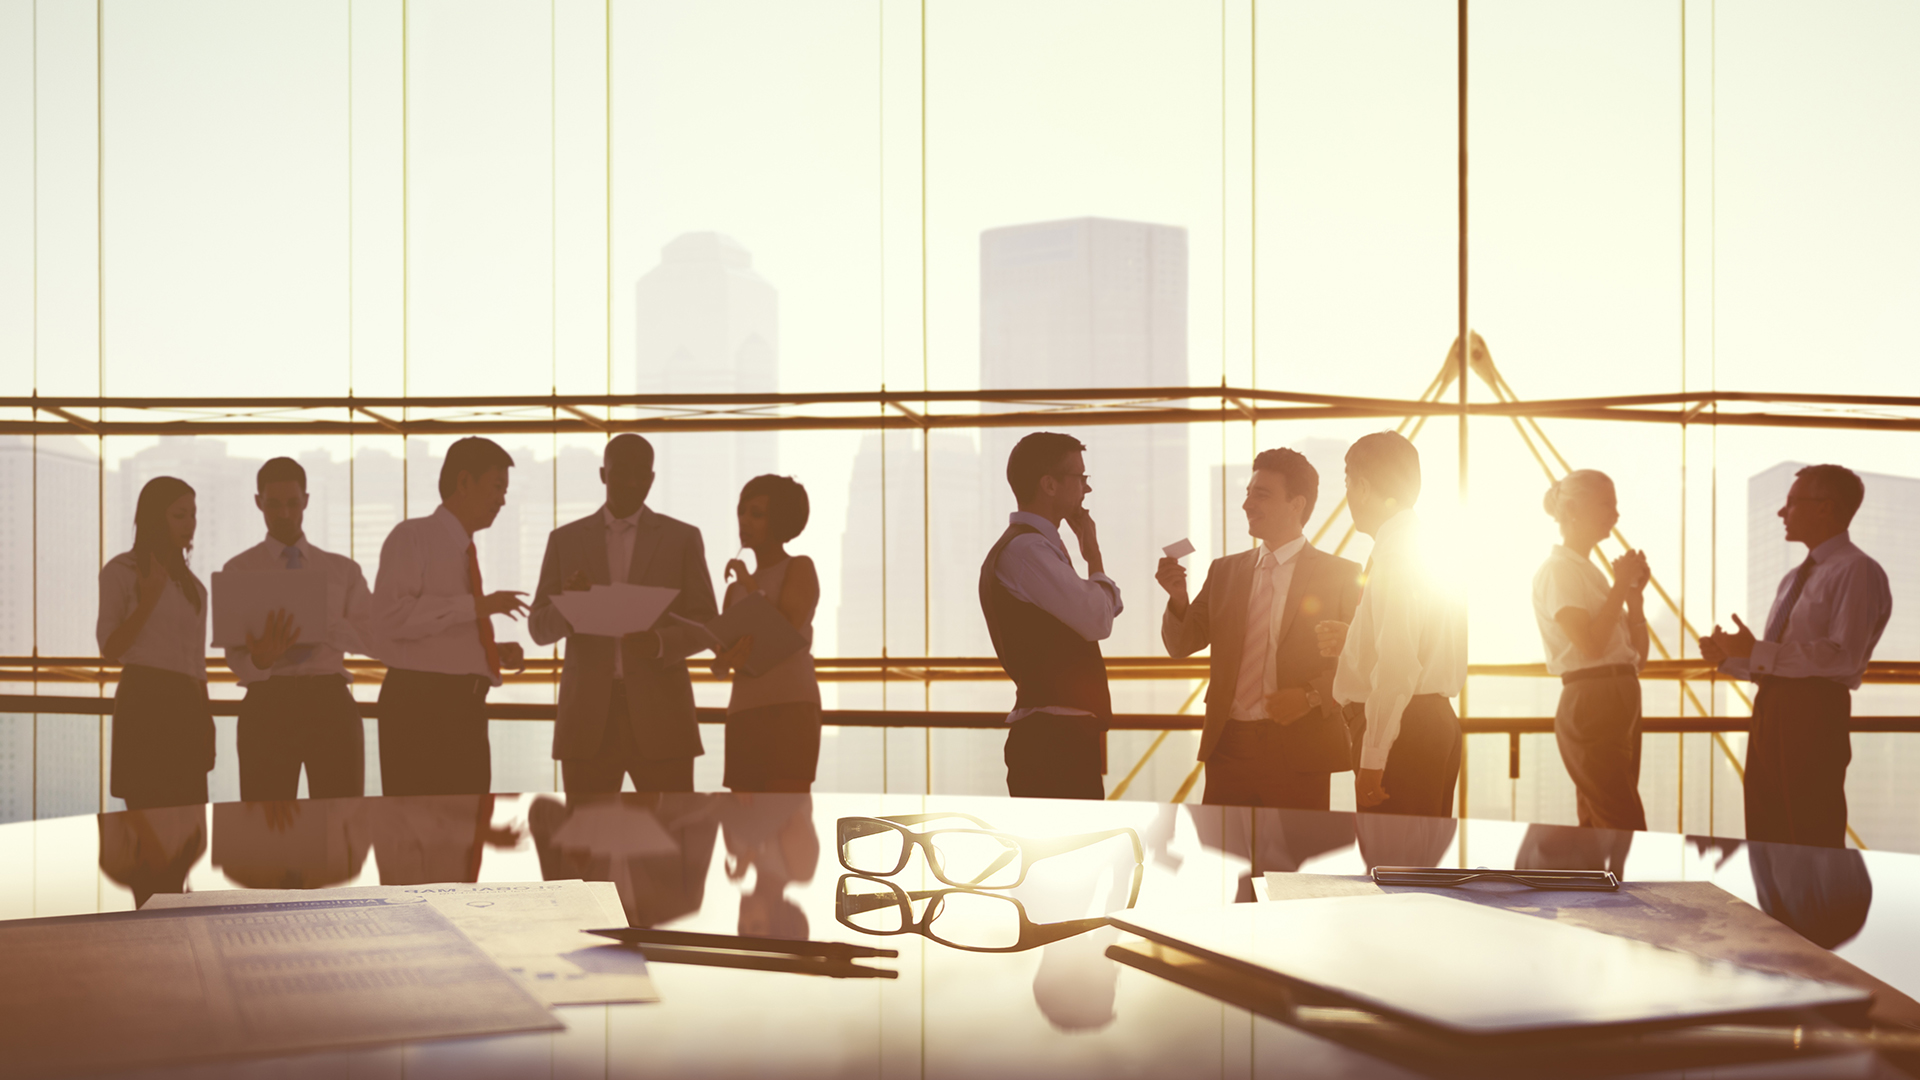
x=406, y=256
x=1466, y=348
x=33, y=763
x=1253, y=227
x=608, y=59
x=880, y=96
x=1680, y=768
x=926, y=433
x=100, y=324
x=1713, y=360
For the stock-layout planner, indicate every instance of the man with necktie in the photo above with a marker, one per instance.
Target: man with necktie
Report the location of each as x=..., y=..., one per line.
x=434, y=623
x=1274, y=735
x=626, y=704
x=1827, y=617
x=298, y=711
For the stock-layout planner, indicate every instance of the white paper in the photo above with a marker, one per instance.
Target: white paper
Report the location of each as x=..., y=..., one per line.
x=613, y=610
x=699, y=631
x=534, y=929
x=1179, y=549
x=242, y=600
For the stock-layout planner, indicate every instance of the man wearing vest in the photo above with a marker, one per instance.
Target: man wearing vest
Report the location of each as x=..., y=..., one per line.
x=1274, y=735
x=1047, y=622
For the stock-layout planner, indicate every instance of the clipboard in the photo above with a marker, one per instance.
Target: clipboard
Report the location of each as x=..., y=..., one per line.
x=242, y=599
x=774, y=638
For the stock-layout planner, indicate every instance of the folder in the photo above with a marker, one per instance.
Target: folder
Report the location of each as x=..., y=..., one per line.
x=774, y=638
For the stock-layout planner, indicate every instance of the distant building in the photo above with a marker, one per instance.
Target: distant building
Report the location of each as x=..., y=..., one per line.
x=706, y=323
x=1885, y=528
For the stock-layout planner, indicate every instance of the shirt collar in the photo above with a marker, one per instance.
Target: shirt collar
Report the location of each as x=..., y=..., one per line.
x=1283, y=554
x=453, y=523
x=1834, y=545
x=1040, y=525
x=280, y=550
x=631, y=520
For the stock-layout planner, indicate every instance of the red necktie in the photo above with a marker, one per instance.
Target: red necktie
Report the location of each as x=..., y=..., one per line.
x=485, y=623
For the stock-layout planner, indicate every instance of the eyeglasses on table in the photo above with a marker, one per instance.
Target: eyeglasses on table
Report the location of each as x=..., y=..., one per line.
x=978, y=857
x=959, y=918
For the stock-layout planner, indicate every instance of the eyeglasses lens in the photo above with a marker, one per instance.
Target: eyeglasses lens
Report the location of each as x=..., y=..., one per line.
x=871, y=847
x=972, y=857
x=976, y=920
x=871, y=906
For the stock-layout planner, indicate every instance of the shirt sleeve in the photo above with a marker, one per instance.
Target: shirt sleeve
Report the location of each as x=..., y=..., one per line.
x=1184, y=635
x=1859, y=605
x=402, y=610
x=1035, y=574
x=350, y=632
x=119, y=595
x=545, y=623
x=695, y=602
x=1397, y=610
x=1559, y=590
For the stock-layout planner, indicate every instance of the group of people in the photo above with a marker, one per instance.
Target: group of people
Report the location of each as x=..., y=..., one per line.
x=1320, y=666
x=626, y=707
x=1317, y=665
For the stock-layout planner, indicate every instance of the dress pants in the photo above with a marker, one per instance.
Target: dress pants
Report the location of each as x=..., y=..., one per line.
x=1598, y=729
x=1248, y=768
x=1050, y=756
x=433, y=734
x=619, y=757
x=1424, y=764
x=1797, y=757
x=292, y=720
x=162, y=738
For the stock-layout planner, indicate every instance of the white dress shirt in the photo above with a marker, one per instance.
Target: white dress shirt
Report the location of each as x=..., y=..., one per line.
x=349, y=606
x=1568, y=580
x=1842, y=611
x=1408, y=638
x=423, y=605
x=174, y=637
x=620, y=533
x=1035, y=567
x=1277, y=563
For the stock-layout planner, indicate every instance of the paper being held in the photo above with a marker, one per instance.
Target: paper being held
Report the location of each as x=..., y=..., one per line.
x=1179, y=549
x=614, y=610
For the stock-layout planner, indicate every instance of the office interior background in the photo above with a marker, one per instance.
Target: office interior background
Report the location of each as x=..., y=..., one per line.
x=481, y=213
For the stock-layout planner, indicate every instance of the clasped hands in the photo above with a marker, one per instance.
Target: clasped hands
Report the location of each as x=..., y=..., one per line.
x=1718, y=647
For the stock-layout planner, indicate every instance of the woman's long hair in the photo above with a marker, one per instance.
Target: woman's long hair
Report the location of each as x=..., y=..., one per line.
x=153, y=535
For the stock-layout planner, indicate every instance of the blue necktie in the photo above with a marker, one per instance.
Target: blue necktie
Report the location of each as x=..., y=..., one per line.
x=299, y=653
x=1783, y=612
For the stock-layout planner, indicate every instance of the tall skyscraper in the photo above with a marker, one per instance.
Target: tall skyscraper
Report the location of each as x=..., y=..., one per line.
x=1093, y=302
x=705, y=322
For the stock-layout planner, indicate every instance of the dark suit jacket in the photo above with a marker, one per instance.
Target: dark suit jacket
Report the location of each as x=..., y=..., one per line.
x=666, y=552
x=1324, y=587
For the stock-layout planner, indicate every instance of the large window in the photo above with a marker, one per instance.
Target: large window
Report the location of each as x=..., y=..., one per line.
x=434, y=199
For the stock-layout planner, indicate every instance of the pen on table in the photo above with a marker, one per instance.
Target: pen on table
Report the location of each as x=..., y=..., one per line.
x=831, y=950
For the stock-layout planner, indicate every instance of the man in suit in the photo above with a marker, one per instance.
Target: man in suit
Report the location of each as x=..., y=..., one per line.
x=1274, y=735
x=626, y=705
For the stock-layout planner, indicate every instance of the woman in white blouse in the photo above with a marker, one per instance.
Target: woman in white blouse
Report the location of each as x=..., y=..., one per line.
x=773, y=719
x=1596, y=639
x=153, y=622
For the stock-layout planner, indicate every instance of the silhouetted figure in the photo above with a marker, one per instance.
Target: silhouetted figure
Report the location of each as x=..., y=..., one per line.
x=152, y=851
x=1397, y=840
x=656, y=849
x=1822, y=893
x=1595, y=637
x=774, y=837
x=1273, y=732
x=1270, y=839
x=153, y=622
x=434, y=838
x=1827, y=616
x=434, y=624
x=1564, y=847
x=293, y=843
x=1047, y=623
x=773, y=719
x=1406, y=652
x=298, y=711
x=626, y=705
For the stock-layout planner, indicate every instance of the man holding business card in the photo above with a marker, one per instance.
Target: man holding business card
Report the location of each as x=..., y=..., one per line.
x=1273, y=734
x=298, y=711
x=626, y=703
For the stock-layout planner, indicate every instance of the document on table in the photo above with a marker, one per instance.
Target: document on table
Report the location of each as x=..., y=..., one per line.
x=242, y=599
x=774, y=638
x=614, y=610
x=536, y=930
x=89, y=992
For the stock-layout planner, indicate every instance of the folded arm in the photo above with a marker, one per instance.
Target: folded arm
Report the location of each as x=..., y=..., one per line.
x=1034, y=573
x=1845, y=643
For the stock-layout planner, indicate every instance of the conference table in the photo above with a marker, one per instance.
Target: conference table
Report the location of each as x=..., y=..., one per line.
x=1003, y=982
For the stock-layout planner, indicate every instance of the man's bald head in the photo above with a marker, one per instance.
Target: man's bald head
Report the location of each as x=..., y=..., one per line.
x=626, y=467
